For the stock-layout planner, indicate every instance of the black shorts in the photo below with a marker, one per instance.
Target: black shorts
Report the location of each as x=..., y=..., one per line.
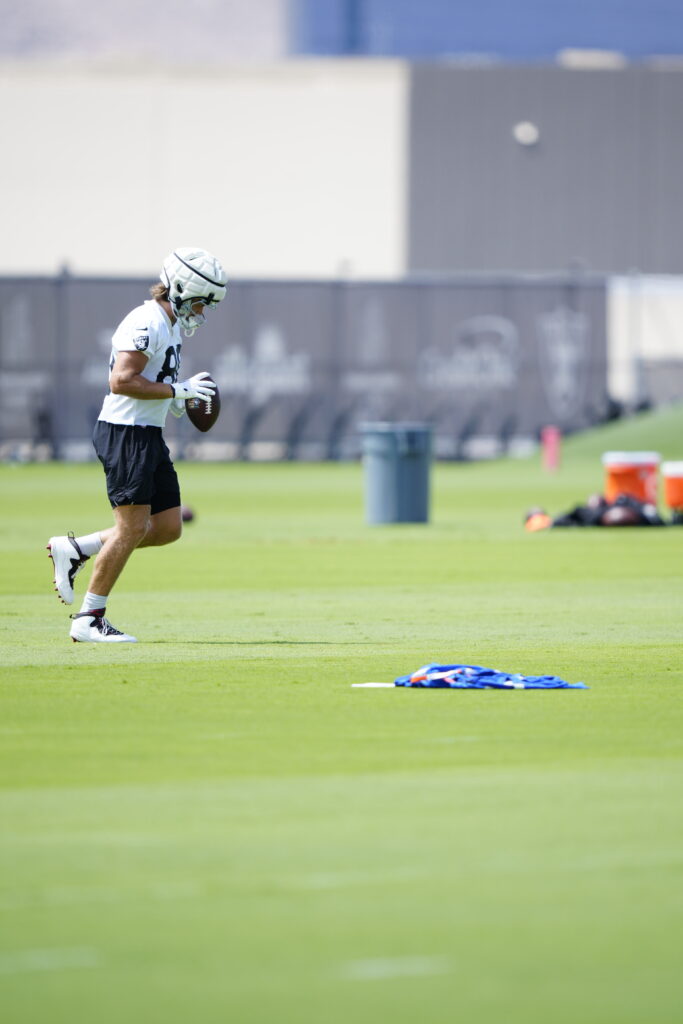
x=137, y=465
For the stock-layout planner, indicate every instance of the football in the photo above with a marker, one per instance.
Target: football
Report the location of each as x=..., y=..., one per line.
x=203, y=414
x=621, y=515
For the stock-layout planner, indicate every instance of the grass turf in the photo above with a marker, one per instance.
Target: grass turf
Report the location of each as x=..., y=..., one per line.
x=213, y=825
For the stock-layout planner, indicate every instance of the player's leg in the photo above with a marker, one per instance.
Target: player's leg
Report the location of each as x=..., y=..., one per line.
x=69, y=554
x=131, y=523
x=164, y=528
x=130, y=456
x=144, y=493
x=166, y=520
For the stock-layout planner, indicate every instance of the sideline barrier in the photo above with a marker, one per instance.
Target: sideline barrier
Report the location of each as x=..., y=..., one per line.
x=487, y=360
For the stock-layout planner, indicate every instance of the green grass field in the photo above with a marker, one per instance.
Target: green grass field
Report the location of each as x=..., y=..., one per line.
x=212, y=825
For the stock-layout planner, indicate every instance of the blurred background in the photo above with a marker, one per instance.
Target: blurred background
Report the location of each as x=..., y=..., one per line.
x=466, y=214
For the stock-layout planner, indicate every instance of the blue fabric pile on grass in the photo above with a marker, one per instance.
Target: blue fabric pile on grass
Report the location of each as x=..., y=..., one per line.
x=474, y=677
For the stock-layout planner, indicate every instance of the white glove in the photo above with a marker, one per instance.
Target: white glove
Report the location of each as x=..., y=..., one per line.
x=199, y=386
x=177, y=407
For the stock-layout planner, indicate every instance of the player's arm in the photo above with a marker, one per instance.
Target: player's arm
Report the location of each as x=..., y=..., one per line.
x=126, y=378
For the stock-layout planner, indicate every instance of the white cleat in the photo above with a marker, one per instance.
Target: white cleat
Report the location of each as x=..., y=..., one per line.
x=95, y=629
x=68, y=560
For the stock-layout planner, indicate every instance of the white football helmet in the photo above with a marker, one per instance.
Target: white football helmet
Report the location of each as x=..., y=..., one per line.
x=192, y=275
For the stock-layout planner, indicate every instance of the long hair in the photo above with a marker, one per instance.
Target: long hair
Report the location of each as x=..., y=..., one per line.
x=159, y=291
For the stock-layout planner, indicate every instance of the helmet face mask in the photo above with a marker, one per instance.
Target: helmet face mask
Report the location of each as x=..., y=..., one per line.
x=189, y=319
x=191, y=276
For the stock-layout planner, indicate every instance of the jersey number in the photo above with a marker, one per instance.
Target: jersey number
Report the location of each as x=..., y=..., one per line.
x=169, y=371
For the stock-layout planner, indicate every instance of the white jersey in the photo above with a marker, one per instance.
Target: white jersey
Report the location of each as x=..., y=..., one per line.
x=146, y=329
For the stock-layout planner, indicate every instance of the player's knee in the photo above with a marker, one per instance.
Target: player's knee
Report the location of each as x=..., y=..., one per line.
x=174, y=533
x=167, y=534
x=133, y=533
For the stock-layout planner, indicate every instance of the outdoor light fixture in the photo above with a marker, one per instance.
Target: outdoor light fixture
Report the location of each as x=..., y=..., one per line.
x=526, y=133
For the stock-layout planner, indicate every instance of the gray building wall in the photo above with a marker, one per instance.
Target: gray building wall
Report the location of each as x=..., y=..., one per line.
x=601, y=187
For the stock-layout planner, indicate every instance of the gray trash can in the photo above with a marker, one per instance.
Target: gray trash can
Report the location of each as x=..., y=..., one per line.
x=396, y=460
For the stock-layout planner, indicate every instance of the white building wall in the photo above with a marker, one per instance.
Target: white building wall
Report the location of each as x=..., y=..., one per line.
x=289, y=169
x=645, y=337
x=205, y=30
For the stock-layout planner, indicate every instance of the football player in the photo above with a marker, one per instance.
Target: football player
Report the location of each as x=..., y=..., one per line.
x=142, y=484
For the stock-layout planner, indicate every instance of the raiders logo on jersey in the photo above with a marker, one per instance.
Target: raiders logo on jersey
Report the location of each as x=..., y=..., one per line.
x=141, y=341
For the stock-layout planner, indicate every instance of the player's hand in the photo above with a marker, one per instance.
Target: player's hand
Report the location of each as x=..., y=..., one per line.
x=199, y=386
x=177, y=407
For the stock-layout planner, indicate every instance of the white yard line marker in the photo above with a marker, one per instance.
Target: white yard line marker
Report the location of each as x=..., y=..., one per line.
x=395, y=967
x=369, y=685
x=26, y=961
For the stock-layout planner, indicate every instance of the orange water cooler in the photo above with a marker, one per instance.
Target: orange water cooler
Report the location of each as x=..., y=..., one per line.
x=632, y=473
x=672, y=474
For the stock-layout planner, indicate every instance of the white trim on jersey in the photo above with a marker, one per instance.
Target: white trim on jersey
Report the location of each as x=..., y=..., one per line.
x=146, y=329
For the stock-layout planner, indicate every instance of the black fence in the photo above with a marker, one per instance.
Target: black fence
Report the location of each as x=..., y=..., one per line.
x=301, y=364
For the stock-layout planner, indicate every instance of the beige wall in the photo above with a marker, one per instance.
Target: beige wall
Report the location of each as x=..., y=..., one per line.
x=208, y=30
x=645, y=325
x=290, y=169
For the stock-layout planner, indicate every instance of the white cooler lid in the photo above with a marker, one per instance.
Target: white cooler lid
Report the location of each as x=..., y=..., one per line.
x=630, y=458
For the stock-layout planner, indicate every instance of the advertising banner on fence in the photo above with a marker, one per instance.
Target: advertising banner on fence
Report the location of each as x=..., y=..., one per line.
x=486, y=361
